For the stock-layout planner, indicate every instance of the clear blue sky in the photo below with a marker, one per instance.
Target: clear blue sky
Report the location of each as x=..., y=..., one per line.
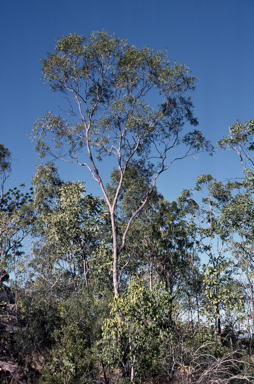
x=215, y=39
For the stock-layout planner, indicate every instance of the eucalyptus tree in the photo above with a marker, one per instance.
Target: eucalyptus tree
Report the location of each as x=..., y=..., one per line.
x=106, y=82
x=239, y=213
x=237, y=217
x=222, y=291
x=70, y=227
x=16, y=218
x=241, y=239
x=5, y=169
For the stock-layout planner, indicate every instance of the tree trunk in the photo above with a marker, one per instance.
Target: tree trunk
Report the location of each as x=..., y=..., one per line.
x=198, y=312
x=115, y=256
x=251, y=296
x=133, y=358
x=85, y=273
x=151, y=274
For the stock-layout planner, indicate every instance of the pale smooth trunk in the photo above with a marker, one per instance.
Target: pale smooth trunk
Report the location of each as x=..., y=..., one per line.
x=85, y=274
x=115, y=257
x=132, y=361
x=251, y=296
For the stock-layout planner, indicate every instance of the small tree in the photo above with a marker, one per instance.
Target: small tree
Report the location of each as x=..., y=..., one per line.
x=132, y=342
x=222, y=291
x=71, y=226
x=16, y=217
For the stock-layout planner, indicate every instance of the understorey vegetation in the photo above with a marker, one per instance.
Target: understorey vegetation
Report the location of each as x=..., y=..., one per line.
x=129, y=287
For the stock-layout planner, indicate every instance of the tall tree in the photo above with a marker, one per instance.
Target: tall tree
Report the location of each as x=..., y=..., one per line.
x=107, y=82
x=222, y=290
x=239, y=213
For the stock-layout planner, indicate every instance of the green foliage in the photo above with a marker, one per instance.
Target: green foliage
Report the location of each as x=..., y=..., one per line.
x=111, y=71
x=71, y=360
x=138, y=336
x=240, y=134
x=5, y=167
x=72, y=227
x=222, y=290
x=135, y=328
x=16, y=219
x=38, y=317
x=137, y=181
x=170, y=317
